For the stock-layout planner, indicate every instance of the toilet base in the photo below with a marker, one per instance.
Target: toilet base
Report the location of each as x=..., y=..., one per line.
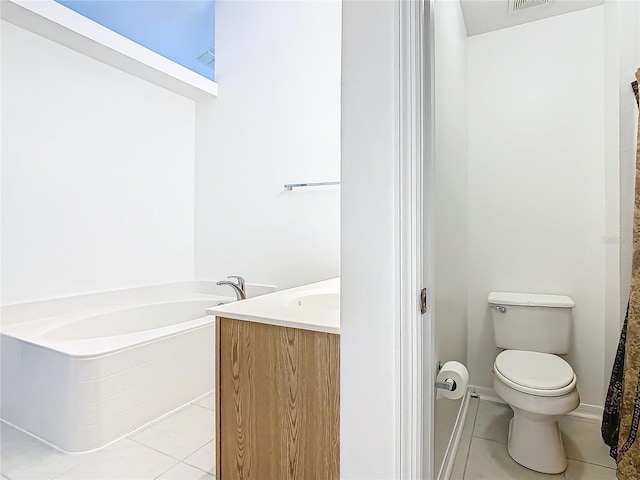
x=535, y=442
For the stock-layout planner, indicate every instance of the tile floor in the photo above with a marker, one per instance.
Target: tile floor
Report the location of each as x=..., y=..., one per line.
x=181, y=447
x=482, y=453
x=178, y=447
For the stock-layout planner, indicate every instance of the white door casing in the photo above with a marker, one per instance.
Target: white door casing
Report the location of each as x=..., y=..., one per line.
x=415, y=129
x=385, y=422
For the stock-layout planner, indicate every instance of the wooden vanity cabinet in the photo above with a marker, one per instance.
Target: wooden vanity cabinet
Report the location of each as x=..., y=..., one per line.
x=277, y=402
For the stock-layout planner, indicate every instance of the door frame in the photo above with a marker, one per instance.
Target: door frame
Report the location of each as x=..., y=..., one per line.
x=414, y=127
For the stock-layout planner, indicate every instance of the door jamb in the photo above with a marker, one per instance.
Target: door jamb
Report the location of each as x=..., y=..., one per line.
x=414, y=134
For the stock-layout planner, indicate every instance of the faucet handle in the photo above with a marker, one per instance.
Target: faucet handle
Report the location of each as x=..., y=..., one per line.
x=240, y=281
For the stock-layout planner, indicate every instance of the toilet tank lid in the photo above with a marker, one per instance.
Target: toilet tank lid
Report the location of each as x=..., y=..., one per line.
x=531, y=300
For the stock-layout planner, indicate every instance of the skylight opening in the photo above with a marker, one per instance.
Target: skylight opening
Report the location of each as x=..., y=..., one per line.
x=180, y=30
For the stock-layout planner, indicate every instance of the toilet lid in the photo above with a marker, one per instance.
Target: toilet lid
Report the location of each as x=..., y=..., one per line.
x=534, y=370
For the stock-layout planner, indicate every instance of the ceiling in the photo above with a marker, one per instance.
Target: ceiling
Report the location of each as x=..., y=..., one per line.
x=481, y=16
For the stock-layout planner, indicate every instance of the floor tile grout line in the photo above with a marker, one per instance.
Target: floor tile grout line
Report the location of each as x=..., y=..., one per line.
x=154, y=449
x=172, y=466
x=473, y=427
x=475, y=418
x=201, y=446
x=197, y=404
x=204, y=408
x=198, y=468
x=172, y=456
x=490, y=440
x=591, y=463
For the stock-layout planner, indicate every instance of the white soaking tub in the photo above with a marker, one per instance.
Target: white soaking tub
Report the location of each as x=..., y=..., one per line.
x=82, y=380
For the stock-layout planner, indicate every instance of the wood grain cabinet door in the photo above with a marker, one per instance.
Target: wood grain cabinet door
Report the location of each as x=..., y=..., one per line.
x=278, y=402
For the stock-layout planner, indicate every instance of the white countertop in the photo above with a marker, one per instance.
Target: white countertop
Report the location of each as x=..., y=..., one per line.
x=315, y=306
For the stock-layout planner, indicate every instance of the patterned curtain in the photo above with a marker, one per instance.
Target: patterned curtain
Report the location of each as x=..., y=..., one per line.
x=621, y=418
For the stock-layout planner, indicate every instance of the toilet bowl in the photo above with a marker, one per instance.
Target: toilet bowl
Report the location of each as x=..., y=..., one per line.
x=540, y=388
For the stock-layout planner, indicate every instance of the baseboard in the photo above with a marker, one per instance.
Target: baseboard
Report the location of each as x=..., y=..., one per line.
x=584, y=410
x=591, y=412
x=454, y=441
x=485, y=393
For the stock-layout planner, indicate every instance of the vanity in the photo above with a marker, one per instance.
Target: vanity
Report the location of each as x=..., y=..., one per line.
x=278, y=385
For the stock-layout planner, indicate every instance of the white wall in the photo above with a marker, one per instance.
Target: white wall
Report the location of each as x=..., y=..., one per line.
x=536, y=188
x=450, y=209
x=97, y=175
x=276, y=121
x=369, y=408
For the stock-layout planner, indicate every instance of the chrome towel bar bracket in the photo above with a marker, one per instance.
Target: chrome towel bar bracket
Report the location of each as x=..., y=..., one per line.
x=291, y=186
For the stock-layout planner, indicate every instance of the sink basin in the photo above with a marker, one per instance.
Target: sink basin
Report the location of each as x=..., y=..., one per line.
x=315, y=306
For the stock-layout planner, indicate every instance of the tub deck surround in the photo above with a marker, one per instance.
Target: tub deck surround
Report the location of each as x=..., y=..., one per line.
x=315, y=307
x=82, y=380
x=108, y=330
x=278, y=384
x=95, y=302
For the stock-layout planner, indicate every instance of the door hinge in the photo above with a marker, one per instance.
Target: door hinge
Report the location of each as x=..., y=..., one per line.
x=423, y=301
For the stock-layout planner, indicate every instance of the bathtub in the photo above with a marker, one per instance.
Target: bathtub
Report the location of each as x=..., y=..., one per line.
x=82, y=380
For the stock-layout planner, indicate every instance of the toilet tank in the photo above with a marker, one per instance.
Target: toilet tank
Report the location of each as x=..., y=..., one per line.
x=530, y=321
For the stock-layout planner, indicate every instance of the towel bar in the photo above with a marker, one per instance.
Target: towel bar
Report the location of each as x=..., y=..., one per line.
x=291, y=186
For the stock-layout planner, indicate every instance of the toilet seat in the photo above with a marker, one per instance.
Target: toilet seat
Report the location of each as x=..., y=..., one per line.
x=535, y=373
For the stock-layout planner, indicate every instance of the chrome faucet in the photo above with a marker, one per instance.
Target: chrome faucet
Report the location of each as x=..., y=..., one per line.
x=237, y=287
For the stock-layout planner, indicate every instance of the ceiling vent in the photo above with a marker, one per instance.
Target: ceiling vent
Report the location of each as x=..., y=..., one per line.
x=208, y=58
x=518, y=5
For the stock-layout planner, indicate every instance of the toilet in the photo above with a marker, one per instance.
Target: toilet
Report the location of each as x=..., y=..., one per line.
x=538, y=385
